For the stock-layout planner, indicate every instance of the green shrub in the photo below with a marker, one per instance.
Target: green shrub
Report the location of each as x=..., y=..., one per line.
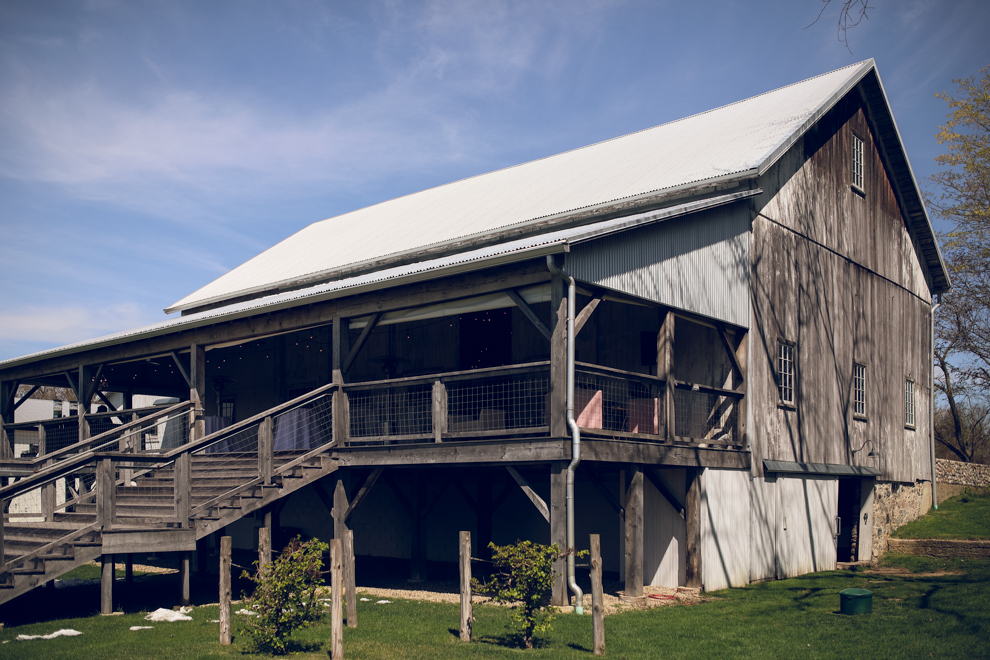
x=524, y=578
x=284, y=596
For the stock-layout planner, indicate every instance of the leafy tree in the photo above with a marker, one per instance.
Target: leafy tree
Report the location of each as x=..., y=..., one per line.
x=524, y=578
x=961, y=197
x=284, y=597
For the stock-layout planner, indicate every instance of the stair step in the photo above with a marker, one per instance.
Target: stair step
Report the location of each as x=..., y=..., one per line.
x=27, y=571
x=57, y=558
x=87, y=544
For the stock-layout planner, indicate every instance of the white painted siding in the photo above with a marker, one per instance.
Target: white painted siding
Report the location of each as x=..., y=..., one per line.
x=725, y=529
x=664, y=533
x=806, y=511
x=762, y=529
x=698, y=263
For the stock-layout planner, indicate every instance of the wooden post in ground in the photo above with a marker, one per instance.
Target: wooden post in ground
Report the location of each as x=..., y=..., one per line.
x=129, y=568
x=597, y=601
x=225, y=591
x=264, y=548
x=336, y=606
x=106, y=584
x=466, y=611
x=634, y=533
x=185, y=568
x=558, y=529
x=692, y=524
x=350, y=582
x=266, y=450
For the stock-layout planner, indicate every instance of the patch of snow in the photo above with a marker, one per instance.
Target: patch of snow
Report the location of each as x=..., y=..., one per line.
x=382, y=602
x=141, y=628
x=65, y=632
x=167, y=616
x=365, y=600
x=246, y=612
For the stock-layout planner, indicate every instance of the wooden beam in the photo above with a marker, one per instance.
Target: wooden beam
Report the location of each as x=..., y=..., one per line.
x=399, y=495
x=663, y=490
x=634, y=533
x=586, y=313
x=105, y=400
x=436, y=499
x=558, y=529
x=557, y=408
x=72, y=385
x=183, y=369
x=321, y=492
x=529, y=313
x=606, y=493
x=375, y=318
x=692, y=520
x=17, y=404
x=366, y=487
x=665, y=370
x=537, y=501
x=730, y=352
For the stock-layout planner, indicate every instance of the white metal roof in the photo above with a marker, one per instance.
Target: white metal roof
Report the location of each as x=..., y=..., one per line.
x=743, y=137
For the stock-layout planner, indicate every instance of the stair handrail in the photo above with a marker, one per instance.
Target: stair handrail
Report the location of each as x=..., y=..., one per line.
x=37, y=552
x=102, y=437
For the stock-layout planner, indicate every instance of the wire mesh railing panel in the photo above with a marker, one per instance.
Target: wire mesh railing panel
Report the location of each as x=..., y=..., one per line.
x=59, y=435
x=613, y=403
x=392, y=411
x=498, y=403
x=705, y=417
x=304, y=427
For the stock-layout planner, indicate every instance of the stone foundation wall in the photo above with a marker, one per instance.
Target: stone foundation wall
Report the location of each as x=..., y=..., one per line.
x=963, y=474
x=895, y=505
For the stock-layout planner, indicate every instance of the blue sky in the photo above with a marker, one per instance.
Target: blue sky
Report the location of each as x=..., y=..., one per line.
x=148, y=147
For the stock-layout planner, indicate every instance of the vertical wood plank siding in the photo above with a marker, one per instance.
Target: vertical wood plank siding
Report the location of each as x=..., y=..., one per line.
x=698, y=263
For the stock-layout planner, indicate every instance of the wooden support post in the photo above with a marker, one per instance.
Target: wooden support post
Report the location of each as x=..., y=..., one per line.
x=197, y=392
x=634, y=533
x=340, y=348
x=336, y=606
x=185, y=568
x=742, y=405
x=350, y=583
x=692, y=520
x=182, y=484
x=558, y=529
x=665, y=370
x=106, y=584
x=558, y=359
x=439, y=410
x=8, y=389
x=266, y=450
x=340, y=506
x=105, y=493
x=597, y=597
x=48, y=490
x=82, y=404
x=225, y=591
x=417, y=572
x=264, y=547
x=466, y=612
x=129, y=568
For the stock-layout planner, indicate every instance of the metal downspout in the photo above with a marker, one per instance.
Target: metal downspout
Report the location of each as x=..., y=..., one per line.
x=931, y=401
x=575, y=433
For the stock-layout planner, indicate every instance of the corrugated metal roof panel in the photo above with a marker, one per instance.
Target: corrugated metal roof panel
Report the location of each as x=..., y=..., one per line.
x=733, y=139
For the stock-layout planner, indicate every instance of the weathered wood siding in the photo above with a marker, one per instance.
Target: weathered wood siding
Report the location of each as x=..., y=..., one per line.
x=664, y=532
x=835, y=272
x=763, y=529
x=805, y=530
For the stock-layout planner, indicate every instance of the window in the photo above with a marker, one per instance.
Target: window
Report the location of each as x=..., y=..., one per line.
x=909, y=403
x=785, y=373
x=857, y=163
x=859, y=390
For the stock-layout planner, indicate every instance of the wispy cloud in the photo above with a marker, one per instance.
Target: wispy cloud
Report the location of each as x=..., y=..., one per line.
x=60, y=325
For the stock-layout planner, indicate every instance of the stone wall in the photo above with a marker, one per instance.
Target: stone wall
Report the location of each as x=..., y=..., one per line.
x=895, y=505
x=963, y=474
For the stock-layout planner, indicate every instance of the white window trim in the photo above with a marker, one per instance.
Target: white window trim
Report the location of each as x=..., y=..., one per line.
x=909, y=404
x=858, y=164
x=786, y=380
x=859, y=390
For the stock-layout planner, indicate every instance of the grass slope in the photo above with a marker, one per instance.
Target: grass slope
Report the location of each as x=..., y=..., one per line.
x=927, y=613
x=965, y=516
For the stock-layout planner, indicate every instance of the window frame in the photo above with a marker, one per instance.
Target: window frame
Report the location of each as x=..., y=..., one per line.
x=909, y=404
x=859, y=390
x=789, y=347
x=857, y=164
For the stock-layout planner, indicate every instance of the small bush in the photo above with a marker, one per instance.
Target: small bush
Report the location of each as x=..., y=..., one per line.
x=284, y=597
x=524, y=578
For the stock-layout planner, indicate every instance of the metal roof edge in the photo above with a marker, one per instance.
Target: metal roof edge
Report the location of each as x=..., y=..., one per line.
x=212, y=317
x=831, y=469
x=775, y=154
x=666, y=214
x=324, y=276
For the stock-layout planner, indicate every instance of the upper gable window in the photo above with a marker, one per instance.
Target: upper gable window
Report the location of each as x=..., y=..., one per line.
x=785, y=372
x=857, y=163
x=859, y=391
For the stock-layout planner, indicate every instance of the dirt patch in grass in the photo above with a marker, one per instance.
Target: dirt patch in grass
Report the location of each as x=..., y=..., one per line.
x=899, y=571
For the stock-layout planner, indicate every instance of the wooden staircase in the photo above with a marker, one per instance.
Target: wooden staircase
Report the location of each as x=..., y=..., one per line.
x=135, y=507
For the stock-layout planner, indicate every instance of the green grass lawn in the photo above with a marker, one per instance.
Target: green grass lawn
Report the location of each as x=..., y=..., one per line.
x=923, y=614
x=965, y=516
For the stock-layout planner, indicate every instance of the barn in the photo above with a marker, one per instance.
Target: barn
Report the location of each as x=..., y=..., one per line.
x=708, y=342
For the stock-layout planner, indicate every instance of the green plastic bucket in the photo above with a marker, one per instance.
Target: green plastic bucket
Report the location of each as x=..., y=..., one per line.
x=856, y=601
